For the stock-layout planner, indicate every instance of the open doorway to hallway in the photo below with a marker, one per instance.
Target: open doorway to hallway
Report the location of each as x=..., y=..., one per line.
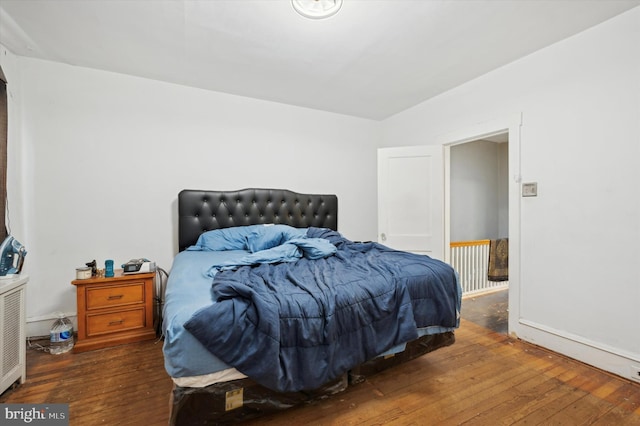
x=479, y=227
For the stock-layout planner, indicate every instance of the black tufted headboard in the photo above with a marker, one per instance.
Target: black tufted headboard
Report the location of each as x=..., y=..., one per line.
x=200, y=211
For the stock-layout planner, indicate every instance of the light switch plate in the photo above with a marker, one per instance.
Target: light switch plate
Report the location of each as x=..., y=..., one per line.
x=530, y=189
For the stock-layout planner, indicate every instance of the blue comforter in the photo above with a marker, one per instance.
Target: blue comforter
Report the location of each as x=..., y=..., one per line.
x=295, y=325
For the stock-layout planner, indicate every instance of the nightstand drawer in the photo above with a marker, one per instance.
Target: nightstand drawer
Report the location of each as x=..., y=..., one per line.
x=115, y=321
x=105, y=297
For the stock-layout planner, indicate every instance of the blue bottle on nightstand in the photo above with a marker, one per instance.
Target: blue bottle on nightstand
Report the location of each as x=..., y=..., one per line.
x=108, y=268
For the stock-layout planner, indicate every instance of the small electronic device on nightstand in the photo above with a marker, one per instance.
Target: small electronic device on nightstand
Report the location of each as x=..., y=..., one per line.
x=138, y=266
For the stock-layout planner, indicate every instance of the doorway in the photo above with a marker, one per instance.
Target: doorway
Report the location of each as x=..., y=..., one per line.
x=479, y=213
x=479, y=219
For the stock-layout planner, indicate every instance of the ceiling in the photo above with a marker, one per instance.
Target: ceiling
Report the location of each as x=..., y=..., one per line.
x=373, y=59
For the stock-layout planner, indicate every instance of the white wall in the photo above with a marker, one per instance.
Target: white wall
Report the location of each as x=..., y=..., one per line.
x=478, y=191
x=578, y=284
x=108, y=153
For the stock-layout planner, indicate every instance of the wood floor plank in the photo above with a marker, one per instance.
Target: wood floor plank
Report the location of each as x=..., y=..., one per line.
x=617, y=416
x=485, y=378
x=524, y=398
x=463, y=404
x=553, y=403
x=584, y=411
x=478, y=405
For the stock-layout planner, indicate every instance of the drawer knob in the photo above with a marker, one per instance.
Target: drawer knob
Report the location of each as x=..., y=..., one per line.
x=116, y=322
x=115, y=297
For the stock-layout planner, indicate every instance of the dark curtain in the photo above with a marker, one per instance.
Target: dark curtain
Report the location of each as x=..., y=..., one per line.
x=3, y=155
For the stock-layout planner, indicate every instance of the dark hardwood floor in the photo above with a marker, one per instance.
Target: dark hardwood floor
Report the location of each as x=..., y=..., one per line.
x=489, y=310
x=485, y=378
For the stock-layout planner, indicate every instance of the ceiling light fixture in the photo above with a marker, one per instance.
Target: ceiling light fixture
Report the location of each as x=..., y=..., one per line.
x=317, y=9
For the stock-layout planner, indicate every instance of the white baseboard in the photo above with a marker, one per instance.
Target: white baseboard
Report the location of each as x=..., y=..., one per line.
x=599, y=355
x=41, y=325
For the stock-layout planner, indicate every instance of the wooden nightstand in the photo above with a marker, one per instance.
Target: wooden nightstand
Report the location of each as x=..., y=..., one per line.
x=113, y=311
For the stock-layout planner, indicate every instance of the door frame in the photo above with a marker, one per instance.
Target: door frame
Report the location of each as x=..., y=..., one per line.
x=511, y=125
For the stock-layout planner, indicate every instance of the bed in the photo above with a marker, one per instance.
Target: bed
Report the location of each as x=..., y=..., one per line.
x=268, y=306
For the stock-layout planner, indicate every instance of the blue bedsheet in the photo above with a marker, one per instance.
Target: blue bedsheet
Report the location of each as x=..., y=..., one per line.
x=189, y=289
x=296, y=325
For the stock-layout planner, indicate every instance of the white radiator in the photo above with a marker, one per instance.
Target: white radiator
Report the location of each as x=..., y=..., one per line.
x=12, y=331
x=471, y=260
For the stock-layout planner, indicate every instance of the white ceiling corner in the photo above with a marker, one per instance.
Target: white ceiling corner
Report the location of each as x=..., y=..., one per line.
x=373, y=59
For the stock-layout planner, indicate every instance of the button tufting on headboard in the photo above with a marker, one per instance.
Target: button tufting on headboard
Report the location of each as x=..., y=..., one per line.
x=200, y=211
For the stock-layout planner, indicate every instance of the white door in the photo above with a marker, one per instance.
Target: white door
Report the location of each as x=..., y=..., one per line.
x=411, y=199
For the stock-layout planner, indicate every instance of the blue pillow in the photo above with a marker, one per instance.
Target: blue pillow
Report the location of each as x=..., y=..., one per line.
x=234, y=238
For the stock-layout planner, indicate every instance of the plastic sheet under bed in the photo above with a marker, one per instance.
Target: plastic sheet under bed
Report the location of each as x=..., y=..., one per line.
x=241, y=400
